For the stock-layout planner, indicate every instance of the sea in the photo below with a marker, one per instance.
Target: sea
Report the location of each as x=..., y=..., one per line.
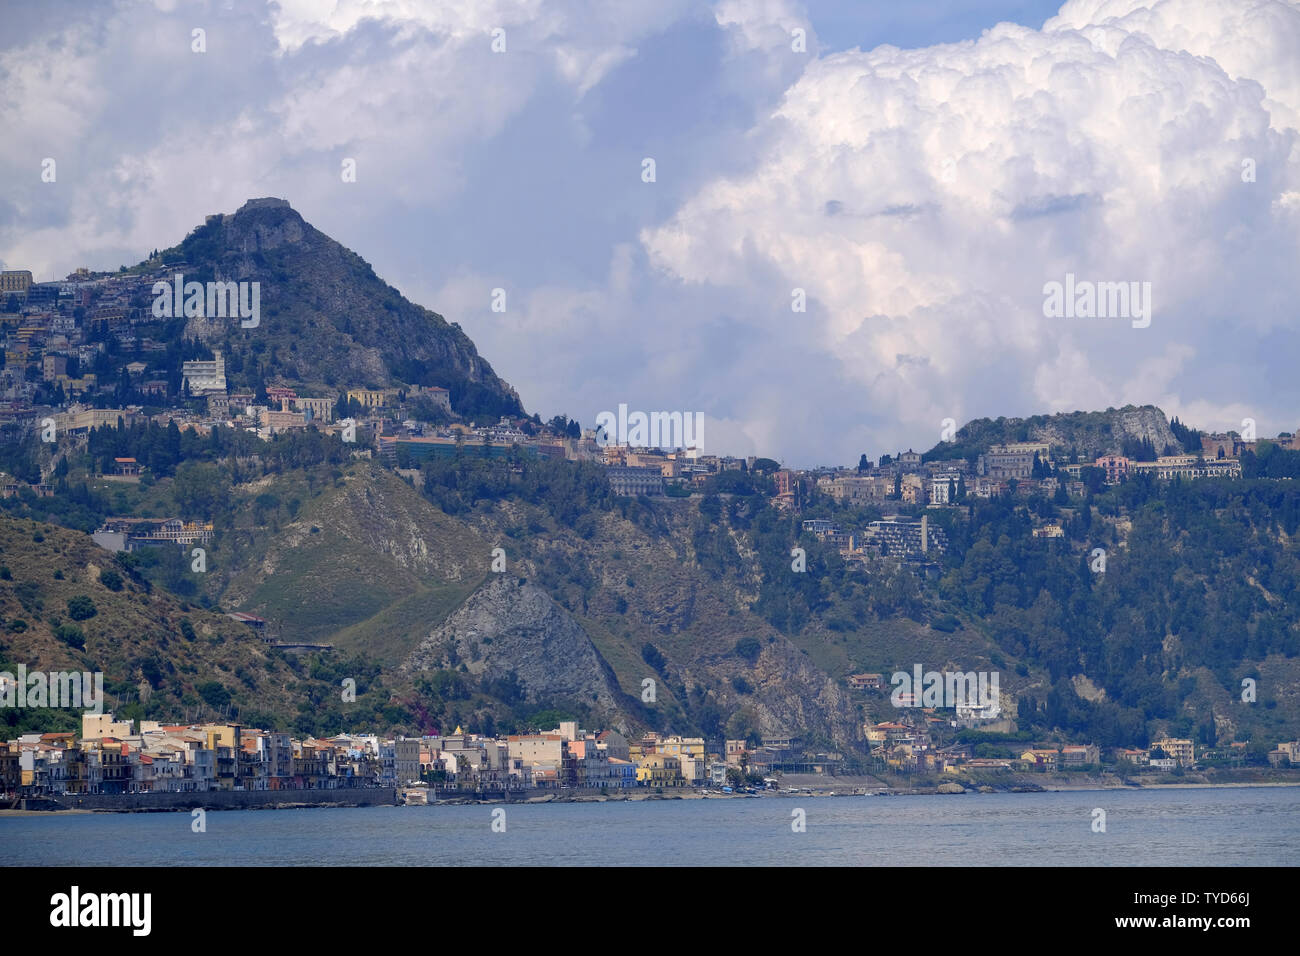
x=1234, y=826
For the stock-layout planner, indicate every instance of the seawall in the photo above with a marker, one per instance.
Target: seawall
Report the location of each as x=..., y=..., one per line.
x=229, y=799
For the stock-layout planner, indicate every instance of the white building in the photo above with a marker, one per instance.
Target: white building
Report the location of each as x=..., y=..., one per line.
x=943, y=488
x=202, y=377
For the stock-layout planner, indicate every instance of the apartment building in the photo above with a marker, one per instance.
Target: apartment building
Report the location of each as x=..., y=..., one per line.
x=630, y=481
x=903, y=536
x=1009, y=461
x=1179, y=749
x=201, y=377
x=1116, y=468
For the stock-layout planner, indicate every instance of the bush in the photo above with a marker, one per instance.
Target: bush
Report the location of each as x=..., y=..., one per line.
x=81, y=608
x=749, y=648
x=111, y=580
x=652, y=656
x=71, y=635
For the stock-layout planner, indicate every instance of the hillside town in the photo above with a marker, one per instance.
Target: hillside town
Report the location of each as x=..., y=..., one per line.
x=77, y=356
x=112, y=757
x=76, y=361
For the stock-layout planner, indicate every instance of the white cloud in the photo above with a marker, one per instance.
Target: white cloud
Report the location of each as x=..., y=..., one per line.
x=923, y=197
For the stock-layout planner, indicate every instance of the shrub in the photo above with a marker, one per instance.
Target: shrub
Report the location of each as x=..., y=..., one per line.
x=111, y=580
x=81, y=608
x=71, y=635
x=214, y=693
x=652, y=656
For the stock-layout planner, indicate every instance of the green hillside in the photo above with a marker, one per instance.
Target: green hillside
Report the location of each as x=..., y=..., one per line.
x=66, y=604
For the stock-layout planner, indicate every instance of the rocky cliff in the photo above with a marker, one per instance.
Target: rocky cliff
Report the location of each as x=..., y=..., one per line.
x=510, y=628
x=1090, y=434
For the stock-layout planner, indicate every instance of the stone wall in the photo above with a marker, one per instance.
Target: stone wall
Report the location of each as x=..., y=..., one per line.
x=230, y=799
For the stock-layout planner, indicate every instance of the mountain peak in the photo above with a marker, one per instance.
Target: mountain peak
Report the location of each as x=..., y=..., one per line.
x=330, y=323
x=268, y=202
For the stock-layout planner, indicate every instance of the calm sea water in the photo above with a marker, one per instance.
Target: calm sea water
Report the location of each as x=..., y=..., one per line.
x=1233, y=827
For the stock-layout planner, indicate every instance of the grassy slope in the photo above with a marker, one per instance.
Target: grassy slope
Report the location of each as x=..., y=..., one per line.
x=131, y=628
x=367, y=564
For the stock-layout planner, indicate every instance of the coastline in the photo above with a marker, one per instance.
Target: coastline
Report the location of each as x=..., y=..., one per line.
x=235, y=800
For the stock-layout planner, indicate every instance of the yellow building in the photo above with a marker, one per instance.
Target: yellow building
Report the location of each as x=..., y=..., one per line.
x=659, y=770
x=96, y=726
x=17, y=280
x=83, y=419
x=1181, y=750
x=367, y=397
x=222, y=735
x=681, y=746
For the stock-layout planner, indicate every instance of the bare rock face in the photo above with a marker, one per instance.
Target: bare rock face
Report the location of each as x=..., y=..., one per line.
x=792, y=692
x=250, y=233
x=507, y=627
x=1146, y=422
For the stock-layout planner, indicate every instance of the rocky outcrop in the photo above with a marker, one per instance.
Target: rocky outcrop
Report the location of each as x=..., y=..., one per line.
x=1090, y=434
x=506, y=627
x=1146, y=422
x=793, y=693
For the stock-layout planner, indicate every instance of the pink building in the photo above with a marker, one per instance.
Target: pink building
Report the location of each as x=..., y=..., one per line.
x=1115, y=466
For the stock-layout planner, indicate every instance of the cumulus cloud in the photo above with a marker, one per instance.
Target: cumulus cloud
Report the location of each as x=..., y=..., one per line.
x=923, y=198
x=410, y=90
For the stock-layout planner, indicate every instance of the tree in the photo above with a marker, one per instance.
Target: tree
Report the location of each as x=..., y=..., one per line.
x=863, y=464
x=199, y=489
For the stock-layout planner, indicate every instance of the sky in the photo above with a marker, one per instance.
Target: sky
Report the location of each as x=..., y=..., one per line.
x=856, y=210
